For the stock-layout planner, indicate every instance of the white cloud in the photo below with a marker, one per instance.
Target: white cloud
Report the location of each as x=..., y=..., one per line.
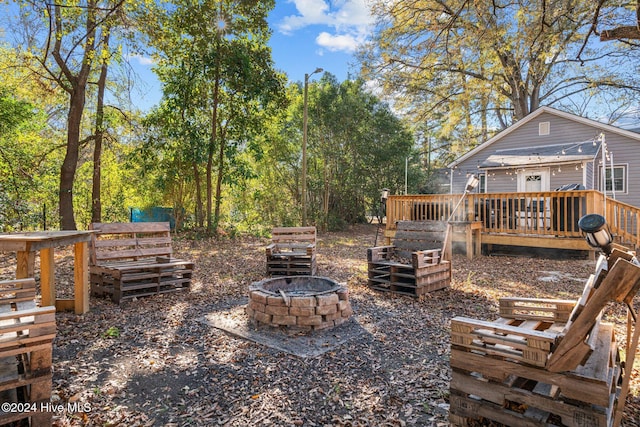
x=143, y=60
x=350, y=21
x=335, y=43
x=311, y=12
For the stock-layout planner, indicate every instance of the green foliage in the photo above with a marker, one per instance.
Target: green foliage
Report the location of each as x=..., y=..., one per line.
x=227, y=133
x=112, y=332
x=220, y=86
x=23, y=176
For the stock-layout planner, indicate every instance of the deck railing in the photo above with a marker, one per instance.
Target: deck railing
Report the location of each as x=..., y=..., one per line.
x=544, y=214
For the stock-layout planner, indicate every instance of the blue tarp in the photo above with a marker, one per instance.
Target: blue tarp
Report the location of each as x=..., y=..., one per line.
x=154, y=214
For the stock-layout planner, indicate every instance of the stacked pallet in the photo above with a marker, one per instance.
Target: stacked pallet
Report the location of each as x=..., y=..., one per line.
x=131, y=260
x=292, y=252
x=504, y=382
x=545, y=362
x=26, y=336
x=413, y=264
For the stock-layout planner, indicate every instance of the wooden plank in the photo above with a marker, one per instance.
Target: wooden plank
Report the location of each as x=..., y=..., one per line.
x=552, y=310
x=440, y=226
x=536, y=402
x=118, y=240
x=471, y=409
x=130, y=227
x=572, y=384
x=136, y=252
x=622, y=279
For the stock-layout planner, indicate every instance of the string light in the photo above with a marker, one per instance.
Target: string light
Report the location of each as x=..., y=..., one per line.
x=563, y=150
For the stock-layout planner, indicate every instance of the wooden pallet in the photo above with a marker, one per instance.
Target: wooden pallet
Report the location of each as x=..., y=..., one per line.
x=292, y=251
x=405, y=279
x=131, y=260
x=503, y=390
x=291, y=265
x=413, y=264
x=26, y=336
x=548, y=362
x=126, y=280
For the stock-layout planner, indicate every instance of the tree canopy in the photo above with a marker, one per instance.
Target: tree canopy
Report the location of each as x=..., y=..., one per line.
x=223, y=146
x=464, y=68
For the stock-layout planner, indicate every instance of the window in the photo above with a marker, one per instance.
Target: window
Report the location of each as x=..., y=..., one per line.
x=544, y=128
x=619, y=182
x=482, y=186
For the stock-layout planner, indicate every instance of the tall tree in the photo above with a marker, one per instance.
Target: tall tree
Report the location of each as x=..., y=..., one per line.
x=357, y=146
x=225, y=44
x=64, y=52
x=457, y=63
x=96, y=199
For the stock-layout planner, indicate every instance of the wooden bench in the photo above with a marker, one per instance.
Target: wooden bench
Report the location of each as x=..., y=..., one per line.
x=26, y=337
x=554, y=359
x=413, y=265
x=130, y=260
x=292, y=251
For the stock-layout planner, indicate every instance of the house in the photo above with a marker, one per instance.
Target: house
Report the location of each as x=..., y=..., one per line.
x=552, y=150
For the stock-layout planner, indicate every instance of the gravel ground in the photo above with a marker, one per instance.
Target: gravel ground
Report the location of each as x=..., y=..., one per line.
x=154, y=362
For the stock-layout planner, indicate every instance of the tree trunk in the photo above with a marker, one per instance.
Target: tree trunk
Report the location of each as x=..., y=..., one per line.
x=70, y=163
x=211, y=227
x=216, y=220
x=96, y=200
x=199, y=212
x=76, y=86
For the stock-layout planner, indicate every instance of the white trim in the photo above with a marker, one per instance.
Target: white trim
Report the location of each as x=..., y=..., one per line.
x=532, y=116
x=545, y=179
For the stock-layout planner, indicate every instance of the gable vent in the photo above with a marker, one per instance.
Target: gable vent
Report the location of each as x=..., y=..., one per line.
x=544, y=128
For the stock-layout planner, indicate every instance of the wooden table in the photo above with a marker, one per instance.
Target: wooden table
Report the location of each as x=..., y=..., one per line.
x=27, y=244
x=473, y=236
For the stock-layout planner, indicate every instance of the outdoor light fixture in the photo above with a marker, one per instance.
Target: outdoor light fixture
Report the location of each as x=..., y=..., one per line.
x=472, y=183
x=385, y=195
x=596, y=232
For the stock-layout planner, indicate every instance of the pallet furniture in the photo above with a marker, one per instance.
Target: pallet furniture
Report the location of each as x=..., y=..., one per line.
x=413, y=265
x=26, y=337
x=130, y=260
x=27, y=244
x=544, y=361
x=292, y=251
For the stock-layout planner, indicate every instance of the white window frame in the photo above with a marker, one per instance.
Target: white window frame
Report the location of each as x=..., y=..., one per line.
x=482, y=185
x=623, y=179
x=544, y=128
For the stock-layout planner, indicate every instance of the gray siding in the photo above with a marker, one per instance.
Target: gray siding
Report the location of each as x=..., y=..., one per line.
x=626, y=152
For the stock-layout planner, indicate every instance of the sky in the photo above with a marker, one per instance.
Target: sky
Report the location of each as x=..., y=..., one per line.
x=306, y=35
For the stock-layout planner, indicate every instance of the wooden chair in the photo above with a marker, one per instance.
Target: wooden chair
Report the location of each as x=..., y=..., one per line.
x=26, y=343
x=554, y=356
x=413, y=265
x=292, y=251
x=130, y=260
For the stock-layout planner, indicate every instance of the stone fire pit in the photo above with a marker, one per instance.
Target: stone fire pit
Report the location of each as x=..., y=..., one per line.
x=298, y=302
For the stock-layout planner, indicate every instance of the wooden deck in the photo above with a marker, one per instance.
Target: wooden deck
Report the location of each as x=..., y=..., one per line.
x=540, y=219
